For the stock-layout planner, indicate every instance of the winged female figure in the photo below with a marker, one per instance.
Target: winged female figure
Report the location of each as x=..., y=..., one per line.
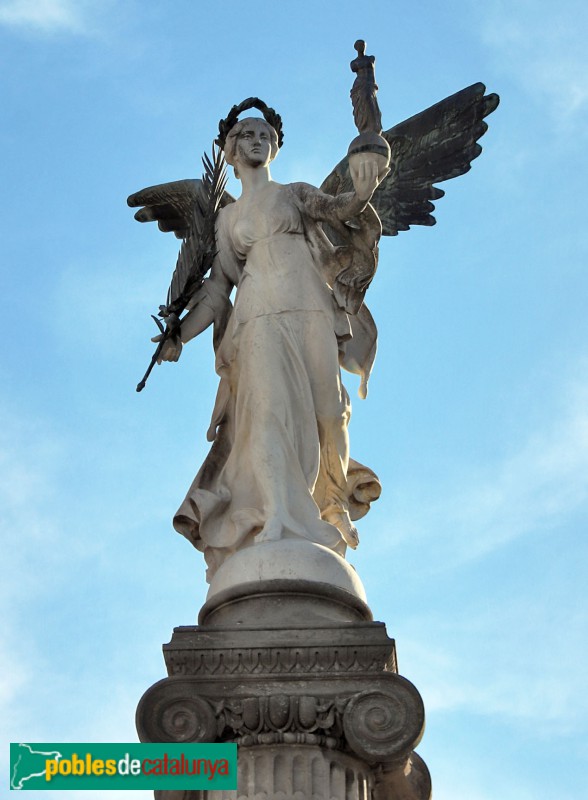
x=301, y=260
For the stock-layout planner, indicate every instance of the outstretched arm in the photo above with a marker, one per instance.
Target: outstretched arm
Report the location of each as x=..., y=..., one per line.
x=347, y=205
x=436, y=145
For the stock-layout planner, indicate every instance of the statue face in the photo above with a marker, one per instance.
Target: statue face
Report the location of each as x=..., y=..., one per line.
x=254, y=146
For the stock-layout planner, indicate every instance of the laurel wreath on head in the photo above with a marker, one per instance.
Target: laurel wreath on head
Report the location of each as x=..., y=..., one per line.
x=270, y=115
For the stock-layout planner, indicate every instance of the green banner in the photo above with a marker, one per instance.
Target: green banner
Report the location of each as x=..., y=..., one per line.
x=122, y=766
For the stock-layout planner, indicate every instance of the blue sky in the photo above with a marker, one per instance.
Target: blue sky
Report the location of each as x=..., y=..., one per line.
x=476, y=422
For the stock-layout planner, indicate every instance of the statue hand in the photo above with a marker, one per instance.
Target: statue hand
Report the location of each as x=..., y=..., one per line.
x=171, y=349
x=366, y=174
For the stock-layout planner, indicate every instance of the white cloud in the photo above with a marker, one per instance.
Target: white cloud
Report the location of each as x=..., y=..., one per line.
x=543, y=482
x=462, y=779
x=516, y=651
x=543, y=703
x=88, y=712
x=544, y=47
x=14, y=675
x=546, y=480
x=100, y=294
x=48, y=17
x=30, y=458
x=29, y=529
x=520, y=661
x=43, y=15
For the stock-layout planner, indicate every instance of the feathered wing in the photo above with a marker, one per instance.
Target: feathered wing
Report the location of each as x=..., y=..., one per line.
x=438, y=144
x=199, y=247
x=172, y=205
x=189, y=208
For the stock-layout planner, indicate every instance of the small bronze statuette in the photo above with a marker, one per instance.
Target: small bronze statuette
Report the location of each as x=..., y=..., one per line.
x=366, y=112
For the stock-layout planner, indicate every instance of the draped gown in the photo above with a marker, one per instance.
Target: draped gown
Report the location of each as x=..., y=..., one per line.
x=279, y=464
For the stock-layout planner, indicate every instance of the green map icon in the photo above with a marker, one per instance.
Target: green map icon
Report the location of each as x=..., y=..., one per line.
x=28, y=765
x=42, y=766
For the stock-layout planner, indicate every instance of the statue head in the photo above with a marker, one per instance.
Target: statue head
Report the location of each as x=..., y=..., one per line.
x=252, y=140
x=230, y=126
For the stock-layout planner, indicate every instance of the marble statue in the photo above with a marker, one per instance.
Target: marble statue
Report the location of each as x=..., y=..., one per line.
x=301, y=260
x=286, y=659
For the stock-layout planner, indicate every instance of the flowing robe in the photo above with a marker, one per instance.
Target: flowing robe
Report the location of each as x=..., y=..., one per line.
x=279, y=464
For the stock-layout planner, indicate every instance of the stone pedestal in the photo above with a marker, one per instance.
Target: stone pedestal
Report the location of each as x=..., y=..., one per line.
x=297, y=673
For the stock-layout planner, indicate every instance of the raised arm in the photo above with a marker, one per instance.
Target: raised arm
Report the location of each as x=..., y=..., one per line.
x=344, y=206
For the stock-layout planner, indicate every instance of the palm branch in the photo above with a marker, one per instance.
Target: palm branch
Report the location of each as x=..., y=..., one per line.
x=197, y=252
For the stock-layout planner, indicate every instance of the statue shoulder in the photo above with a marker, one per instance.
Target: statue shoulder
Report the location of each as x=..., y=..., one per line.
x=303, y=191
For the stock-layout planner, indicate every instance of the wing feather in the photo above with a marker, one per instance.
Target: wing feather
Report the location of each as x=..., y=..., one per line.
x=176, y=206
x=199, y=247
x=169, y=204
x=433, y=146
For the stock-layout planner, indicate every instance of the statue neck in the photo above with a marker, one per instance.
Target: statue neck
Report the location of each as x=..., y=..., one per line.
x=253, y=178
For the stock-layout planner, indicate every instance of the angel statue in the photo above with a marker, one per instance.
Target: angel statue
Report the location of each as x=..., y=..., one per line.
x=301, y=260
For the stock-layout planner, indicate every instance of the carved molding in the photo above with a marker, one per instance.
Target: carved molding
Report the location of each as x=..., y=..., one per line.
x=380, y=724
x=283, y=719
x=330, y=690
x=168, y=713
x=280, y=660
x=384, y=725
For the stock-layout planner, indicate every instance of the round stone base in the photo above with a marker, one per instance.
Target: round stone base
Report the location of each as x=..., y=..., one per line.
x=289, y=582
